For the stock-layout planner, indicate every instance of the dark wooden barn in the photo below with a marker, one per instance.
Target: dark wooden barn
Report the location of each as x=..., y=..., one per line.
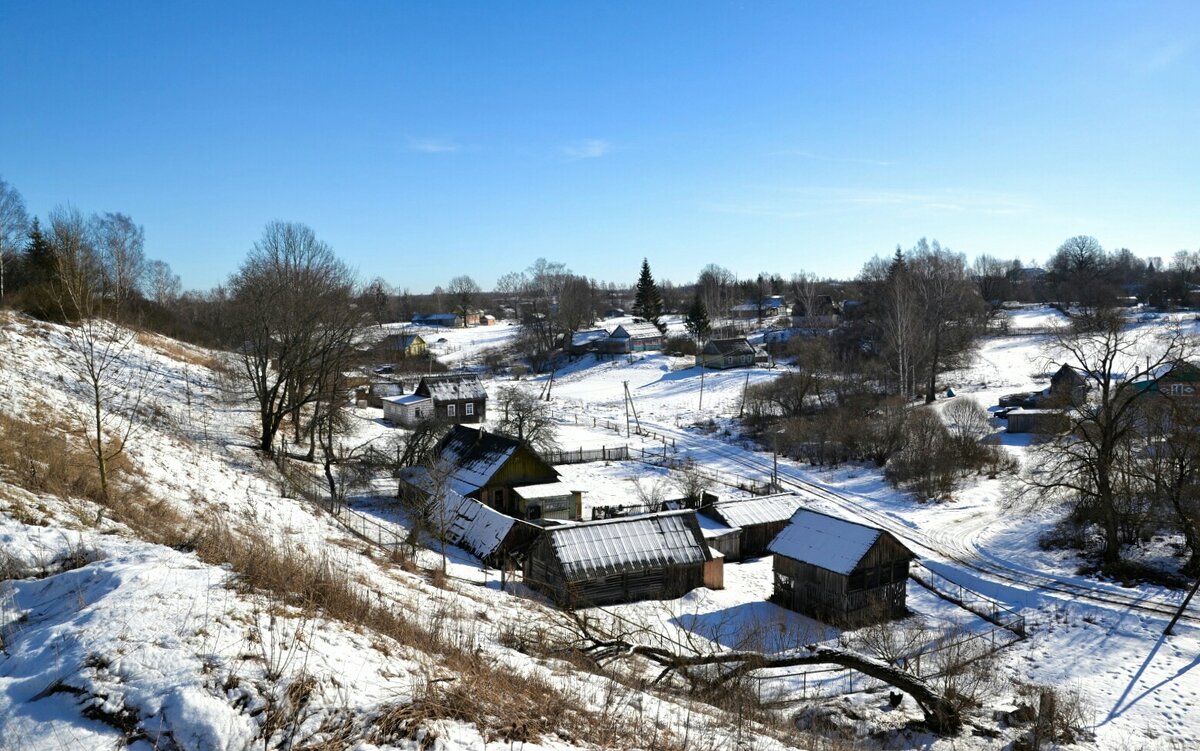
x=758, y=519
x=839, y=571
x=648, y=557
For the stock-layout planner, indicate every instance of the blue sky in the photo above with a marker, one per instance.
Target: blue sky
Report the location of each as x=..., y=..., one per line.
x=426, y=140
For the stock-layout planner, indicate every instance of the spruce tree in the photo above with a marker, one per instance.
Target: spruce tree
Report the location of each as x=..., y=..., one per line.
x=647, y=303
x=697, y=321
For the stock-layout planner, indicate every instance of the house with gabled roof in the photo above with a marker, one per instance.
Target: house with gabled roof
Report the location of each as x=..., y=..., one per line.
x=454, y=397
x=647, y=557
x=839, y=571
x=403, y=345
x=499, y=471
x=633, y=337
x=726, y=353
x=758, y=519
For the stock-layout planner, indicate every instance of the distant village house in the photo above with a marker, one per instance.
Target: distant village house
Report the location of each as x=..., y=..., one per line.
x=453, y=397
x=726, y=353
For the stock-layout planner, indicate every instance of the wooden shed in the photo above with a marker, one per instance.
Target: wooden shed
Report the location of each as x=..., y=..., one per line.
x=1040, y=421
x=648, y=557
x=759, y=519
x=840, y=571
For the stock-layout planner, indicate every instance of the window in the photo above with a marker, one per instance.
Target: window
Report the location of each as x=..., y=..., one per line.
x=451, y=410
x=417, y=413
x=784, y=583
x=1176, y=389
x=469, y=409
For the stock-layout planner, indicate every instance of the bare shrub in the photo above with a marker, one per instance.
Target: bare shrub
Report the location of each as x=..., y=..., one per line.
x=1056, y=715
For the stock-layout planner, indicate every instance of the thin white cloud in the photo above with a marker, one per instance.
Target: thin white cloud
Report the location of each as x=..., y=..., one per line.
x=433, y=145
x=795, y=203
x=589, y=148
x=1165, y=56
x=826, y=158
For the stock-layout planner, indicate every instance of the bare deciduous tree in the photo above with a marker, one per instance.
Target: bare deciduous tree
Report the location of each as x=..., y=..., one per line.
x=527, y=418
x=463, y=290
x=14, y=225
x=121, y=246
x=290, y=303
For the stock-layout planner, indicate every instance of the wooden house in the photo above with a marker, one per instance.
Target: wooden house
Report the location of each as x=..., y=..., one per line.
x=726, y=353
x=839, y=571
x=1178, y=380
x=407, y=409
x=1068, y=385
x=648, y=557
x=633, y=337
x=454, y=397
x=758, y=520
x=402, y=346
x=824, y=315
x=582, y=342
x=767, y=307
x=499, y=471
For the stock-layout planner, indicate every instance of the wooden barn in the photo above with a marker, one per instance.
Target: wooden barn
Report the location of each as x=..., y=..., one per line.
x=499, y=471
x=648, y=557
x=839, y=571
x=491, y=536
x=757, y=519
x=1039, y=421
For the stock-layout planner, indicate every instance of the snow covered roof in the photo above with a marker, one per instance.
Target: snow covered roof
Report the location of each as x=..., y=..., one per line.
x=713, y=529
x=406, y=399
x=418, y=317
x=452, y=387
x=825, y=541
x=628, y=543
x=545, y=490
x=470, y=457
x=636, y=331
x=472, y=525
x=584, y=338
x=738, y=346
x=767, y=509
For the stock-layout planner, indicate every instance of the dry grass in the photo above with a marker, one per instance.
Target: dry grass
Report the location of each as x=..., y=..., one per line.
x=45, y=457
x=177, y=351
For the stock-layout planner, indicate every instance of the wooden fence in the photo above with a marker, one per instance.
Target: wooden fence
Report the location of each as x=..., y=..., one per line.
x=582, y=455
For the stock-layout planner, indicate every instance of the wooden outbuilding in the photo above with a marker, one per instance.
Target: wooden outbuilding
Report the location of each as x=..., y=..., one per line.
x=758, y=520
x=491, y=536
x=648, y=557
x=632, y=337
x=839, y=571
x=449, y=320
x=726, y=353
x=1040, y=421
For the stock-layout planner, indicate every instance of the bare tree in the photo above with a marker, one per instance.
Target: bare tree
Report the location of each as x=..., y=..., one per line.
x=716, y=287
x=121, y=245
x=14, y=225
x=162, y=283
x=576, y=305
x=527, y=418
x=98, y=348
x=1090, y=465
x=949, y=302
x=463, y=290
x=290, y=303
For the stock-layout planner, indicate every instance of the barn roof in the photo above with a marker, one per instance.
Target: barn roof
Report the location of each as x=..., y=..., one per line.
x=628, y=543
x=738, y=346
x=636, y=331
x=472, y=525
x=767, y=509
x=452, y=387
x=825, y=541
x=584, y=338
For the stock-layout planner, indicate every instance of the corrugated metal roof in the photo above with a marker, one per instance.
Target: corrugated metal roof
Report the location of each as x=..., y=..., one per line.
x=628, y=544
x=824, y=541
x=636, y=331
x=472, y=525
x=767, y=509
x=737, y=346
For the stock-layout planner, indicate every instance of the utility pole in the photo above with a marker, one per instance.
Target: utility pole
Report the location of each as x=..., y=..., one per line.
x=745, y=388
x=701, y=406
x=626, y=385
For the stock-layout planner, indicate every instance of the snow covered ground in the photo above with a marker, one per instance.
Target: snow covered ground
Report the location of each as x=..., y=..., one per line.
x=100, y=627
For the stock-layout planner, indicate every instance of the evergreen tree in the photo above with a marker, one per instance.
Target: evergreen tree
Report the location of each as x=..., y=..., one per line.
x=647, y=303
x=39, y=257
x=697, y=322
